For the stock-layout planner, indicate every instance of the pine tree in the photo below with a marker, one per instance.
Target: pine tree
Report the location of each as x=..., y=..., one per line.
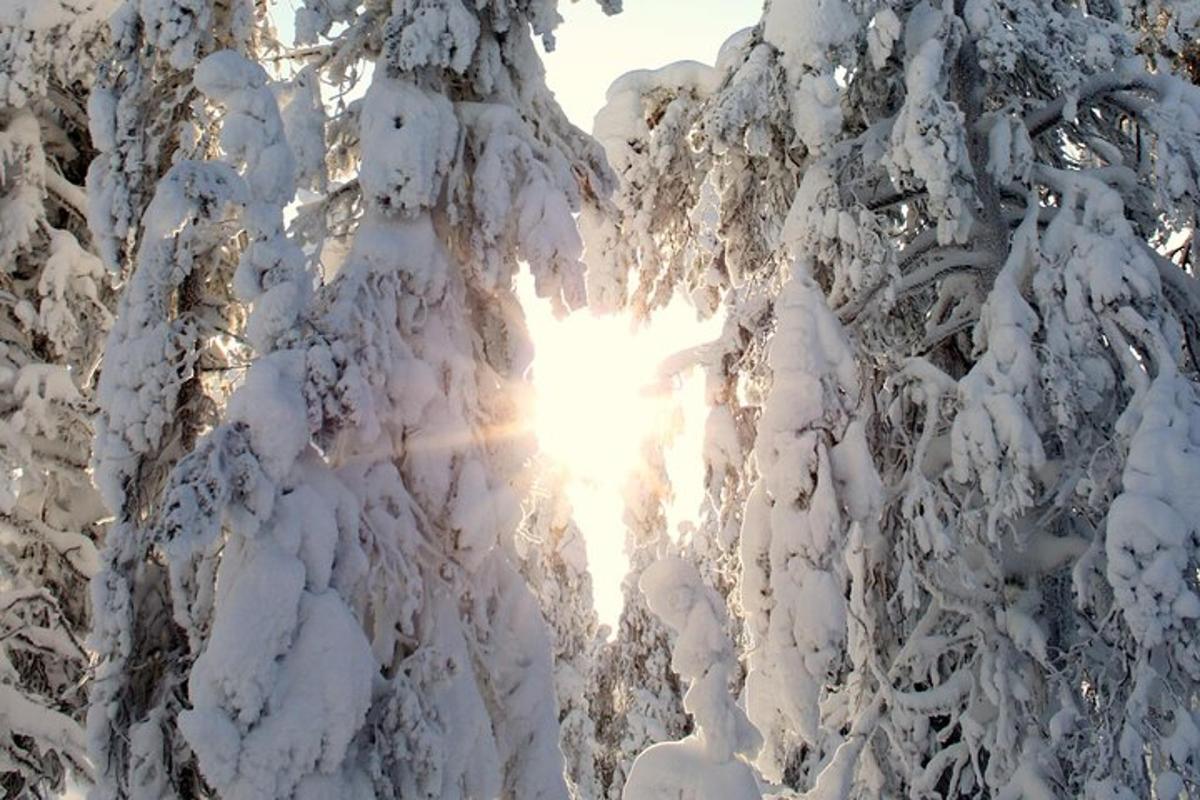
x=654, y=131
x=1027, y=244
x=56, y=300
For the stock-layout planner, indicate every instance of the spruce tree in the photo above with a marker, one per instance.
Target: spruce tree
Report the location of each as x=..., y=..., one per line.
x=339, y=549
x=981, y=205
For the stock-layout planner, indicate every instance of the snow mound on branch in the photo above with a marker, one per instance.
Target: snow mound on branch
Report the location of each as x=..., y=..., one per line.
x=409, y=137
x=1154, y=526
x=707, y=764
x=622, y=119
x=928, y=145
x=431, y=33
x=806, y=30
x=807, y=34
x=682, y=770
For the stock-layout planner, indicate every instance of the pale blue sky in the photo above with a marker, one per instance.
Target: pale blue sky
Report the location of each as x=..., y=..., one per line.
x=594, y=50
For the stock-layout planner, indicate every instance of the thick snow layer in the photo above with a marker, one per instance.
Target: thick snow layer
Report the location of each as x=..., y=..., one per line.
x=176, y=27
x=150, y=354
x=1153, y=528
x=409, y=136
x=807, y=34
x=818, y=486
x=708, y=763
x=519, y=193
x=428, y=33
x=48, y=42
x=272, y=406
x=805, y=31
x=23, y=167
x=993, y=437
x=683, y=771
x=316, y=704
x=928, y=144
x=622, y=120
x=260, y=603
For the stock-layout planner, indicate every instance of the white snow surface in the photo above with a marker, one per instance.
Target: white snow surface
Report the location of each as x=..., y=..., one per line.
x=708, y=764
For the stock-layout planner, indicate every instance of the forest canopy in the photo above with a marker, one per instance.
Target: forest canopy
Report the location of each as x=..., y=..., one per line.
x=308, y=341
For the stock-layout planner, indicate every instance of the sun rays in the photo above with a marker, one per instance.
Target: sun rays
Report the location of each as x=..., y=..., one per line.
x=600, y=394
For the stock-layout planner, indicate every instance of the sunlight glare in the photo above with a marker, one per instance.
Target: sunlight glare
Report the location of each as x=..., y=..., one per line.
x=598, y=395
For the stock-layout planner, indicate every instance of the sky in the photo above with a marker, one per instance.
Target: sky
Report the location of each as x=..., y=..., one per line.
x=599, y=398
x=593, y=50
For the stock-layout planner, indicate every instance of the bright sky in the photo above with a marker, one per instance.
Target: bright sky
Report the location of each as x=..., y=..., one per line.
x=593, y=50
x=590, y=372
x=599, y=397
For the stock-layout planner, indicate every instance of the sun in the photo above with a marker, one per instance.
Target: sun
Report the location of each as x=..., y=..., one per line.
x=595, y=400
x=599, y=395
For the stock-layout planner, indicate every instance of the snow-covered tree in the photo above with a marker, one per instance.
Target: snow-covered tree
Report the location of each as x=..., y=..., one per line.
x=171, y=218
x=983, y=201
x=810, y=527
x=1165, y=30
x=1018, y=231
x=554, y=564
x=643, y=127
x=56, y=301
x=342, y=570
x=143, y=108
x=636, y=698
x=708, y=764
x=646, y=127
